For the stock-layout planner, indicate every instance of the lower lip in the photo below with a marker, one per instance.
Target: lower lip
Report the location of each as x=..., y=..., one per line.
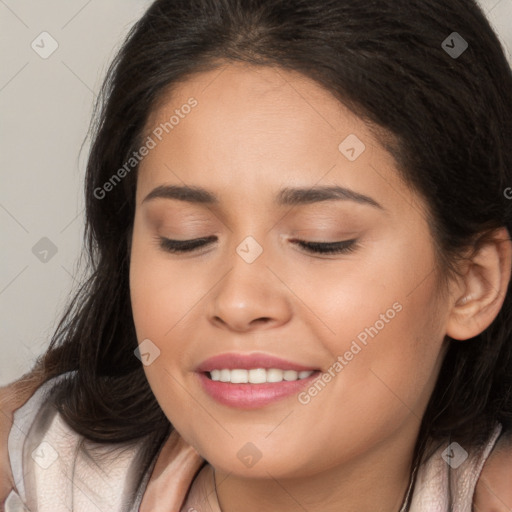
x=252, y=396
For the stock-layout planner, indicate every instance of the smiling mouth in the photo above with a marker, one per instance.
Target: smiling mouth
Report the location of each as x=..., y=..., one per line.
x=257, y=375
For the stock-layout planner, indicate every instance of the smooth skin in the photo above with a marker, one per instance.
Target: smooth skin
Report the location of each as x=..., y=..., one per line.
x=254, y=132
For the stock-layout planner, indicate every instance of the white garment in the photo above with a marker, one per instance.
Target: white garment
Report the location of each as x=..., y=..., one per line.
x=57, y=470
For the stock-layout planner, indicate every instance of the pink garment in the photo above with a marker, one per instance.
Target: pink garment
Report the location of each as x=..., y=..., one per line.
x=56, y=470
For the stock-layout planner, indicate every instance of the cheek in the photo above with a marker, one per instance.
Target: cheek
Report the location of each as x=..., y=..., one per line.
x=382, y=372
x=161, y=297
x=167, y=301
x=386, y=323
x=162, y=292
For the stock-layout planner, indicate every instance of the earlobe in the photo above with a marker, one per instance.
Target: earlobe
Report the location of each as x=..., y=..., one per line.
x=484, y=286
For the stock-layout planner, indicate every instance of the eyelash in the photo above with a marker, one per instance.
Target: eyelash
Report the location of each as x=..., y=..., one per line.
x=183, y=246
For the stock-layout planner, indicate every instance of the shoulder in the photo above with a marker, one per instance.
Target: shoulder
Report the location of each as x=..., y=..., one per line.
x=18, y=402
x=7, y=409
x=494, y=492
x=447, y=479
x=12, y=397
x=56, y=468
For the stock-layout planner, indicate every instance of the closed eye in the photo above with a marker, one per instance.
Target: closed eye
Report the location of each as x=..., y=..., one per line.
x=184, y=246
x=178, y=246
x=342, y=247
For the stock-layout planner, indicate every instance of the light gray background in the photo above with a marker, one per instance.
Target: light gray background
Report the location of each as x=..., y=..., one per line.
x=46, y=105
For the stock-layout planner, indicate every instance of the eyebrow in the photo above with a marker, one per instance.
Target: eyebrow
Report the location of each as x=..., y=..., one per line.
x=286, y=197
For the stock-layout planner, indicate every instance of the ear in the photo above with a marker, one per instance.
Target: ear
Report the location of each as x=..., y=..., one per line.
x=482, y=289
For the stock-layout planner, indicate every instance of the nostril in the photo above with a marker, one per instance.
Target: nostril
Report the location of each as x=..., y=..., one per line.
x=264, y=319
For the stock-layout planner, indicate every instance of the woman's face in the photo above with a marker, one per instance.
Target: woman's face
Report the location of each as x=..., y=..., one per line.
x=368, y=320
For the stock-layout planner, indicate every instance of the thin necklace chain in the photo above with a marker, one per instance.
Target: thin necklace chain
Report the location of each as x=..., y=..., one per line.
x=403, y=508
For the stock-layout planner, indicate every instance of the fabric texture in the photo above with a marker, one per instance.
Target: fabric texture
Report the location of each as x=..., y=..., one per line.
x=57, y=470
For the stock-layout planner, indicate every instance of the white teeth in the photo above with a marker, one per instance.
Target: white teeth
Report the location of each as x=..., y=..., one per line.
x=274, y=375
x=290, y=375
x=239, y=376
x=258, y=375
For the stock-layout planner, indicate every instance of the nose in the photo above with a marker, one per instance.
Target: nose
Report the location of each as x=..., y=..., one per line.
x=250, y=296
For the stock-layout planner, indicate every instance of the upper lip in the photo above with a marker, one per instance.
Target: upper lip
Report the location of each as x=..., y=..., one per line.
x=233, y=361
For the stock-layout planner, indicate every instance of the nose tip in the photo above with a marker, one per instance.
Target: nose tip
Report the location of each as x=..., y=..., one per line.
x=239, y=324
x=250, y=295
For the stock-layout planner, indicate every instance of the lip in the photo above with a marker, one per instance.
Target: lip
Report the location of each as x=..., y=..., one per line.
x=232, y=361
x=252, y=396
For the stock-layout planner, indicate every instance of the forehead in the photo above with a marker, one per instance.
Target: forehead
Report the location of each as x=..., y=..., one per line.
x=257, y=129
x=255, y=104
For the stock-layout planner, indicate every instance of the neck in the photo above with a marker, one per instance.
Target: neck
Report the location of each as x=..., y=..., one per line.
x=376, y=481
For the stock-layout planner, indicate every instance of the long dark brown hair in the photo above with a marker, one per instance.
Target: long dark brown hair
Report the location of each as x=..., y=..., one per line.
x=449, y=124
